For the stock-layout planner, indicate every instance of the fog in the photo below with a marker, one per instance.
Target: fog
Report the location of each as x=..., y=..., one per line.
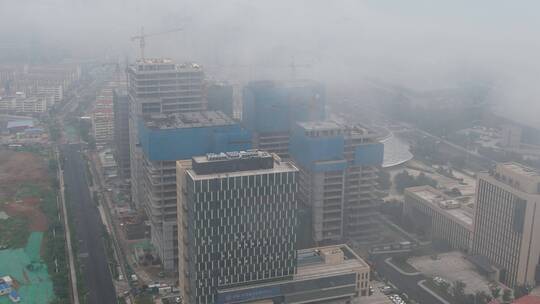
x=420, y=44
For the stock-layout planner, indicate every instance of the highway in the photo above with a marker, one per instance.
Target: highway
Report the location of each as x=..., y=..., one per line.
x=88, y=229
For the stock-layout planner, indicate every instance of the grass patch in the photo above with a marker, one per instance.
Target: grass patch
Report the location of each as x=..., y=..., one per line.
x=29, y=190
x=14, y=232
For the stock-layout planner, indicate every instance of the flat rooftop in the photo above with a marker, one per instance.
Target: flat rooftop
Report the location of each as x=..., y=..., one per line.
x=187, y=120
x=326, y=125
x=278, y=166
x=436, y=198
x=520, y=169
x=311, y=262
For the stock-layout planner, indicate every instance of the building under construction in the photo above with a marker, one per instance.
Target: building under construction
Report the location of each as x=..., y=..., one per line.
x=338, y=174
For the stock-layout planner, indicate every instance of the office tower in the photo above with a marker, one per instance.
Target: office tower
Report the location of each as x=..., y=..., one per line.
x=159, y=86
x=338, y=172
x=164, y=139
x=220, y=98
x=440, y=217
x=507, y=222
x=121, y=131
x=237, y=222
x=271, y=109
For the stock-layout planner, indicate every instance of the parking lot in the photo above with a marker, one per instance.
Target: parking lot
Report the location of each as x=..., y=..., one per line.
x=452, y=266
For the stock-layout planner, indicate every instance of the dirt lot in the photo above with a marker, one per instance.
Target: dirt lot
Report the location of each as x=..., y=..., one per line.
x=23, y=177
x=28, y=208
x=18, y=168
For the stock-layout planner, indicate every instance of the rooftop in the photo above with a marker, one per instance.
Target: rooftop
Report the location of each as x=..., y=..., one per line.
x=320, y=261
x=441, y=202
x=244, y=170
x=520, y=169
x=187, y=120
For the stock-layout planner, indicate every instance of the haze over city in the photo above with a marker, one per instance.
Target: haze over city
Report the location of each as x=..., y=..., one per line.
x=269, y=152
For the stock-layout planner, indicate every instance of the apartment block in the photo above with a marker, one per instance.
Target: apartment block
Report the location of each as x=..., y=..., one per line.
x=441, y=217
x=338, y=171
x=23, y=104
x=103, y=125
x=164, y=139
x=237, y=222
x=507, y=222
x=270, y=109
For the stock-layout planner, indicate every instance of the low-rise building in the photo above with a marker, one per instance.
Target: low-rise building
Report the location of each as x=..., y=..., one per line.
x=441, y=217
x=331, y=274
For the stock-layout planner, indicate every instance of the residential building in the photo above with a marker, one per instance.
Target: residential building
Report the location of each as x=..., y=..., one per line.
x=332, y=274
x=164, y=139
x=507, y=222
x=23, y=104
x=440, y=217
x=271, y=109
x=338, y=175
x=159, y=86
x=121, y=131
x=103, y=125
x=237, y=222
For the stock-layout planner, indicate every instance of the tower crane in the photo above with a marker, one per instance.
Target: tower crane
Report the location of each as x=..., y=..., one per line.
x=142, y=38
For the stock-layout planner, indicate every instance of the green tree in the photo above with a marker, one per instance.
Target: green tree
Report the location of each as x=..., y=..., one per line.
x=495, y=292
x=458, y=291
x=507, y=295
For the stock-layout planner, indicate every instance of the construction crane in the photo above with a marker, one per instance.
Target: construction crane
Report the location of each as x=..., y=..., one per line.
x=142, y=38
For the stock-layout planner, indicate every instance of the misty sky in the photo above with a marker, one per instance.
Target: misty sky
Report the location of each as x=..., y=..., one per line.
x=421, y=44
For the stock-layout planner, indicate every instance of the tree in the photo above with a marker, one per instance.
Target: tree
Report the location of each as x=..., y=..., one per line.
x=507, y=295
x=481, y=297
x=495, y=292
x=458, y=291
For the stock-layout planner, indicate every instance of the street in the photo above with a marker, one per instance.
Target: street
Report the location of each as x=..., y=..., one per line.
x=406, y=283
x=88, y=229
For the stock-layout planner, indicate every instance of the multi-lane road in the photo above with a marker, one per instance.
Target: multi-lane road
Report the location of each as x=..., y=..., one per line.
x=88, y=228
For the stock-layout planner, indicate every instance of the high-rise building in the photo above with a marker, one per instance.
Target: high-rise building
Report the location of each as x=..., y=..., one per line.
x=338, y=172
x=159, y=86
x=164, y=139
x=507, y=222
x=237, y=222
x=121, y=131
x=271, y=109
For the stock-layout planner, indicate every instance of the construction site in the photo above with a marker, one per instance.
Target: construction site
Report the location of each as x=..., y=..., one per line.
x=25, y=187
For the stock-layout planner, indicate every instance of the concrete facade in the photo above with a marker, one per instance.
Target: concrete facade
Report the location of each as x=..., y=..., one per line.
x=507, y=222
x=339, y=165
x=441, y=217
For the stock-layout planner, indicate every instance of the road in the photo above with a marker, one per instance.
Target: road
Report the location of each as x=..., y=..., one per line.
x=88, y=229
x=406, y=284
x=72, y=271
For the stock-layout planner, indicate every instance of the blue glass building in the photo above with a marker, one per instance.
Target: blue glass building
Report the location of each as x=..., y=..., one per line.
x=271, y=109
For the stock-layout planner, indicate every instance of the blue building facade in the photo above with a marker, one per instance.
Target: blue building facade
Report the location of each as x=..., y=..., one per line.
x=274, y=107
x=339, y=165
x=164, y=139
x=325, y=151
x=271, y=109
x=184, y=143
